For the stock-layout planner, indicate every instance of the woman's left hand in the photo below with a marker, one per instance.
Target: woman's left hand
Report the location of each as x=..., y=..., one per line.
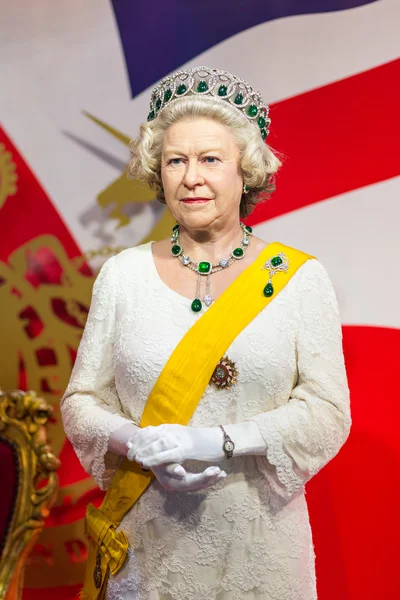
x=172, y=443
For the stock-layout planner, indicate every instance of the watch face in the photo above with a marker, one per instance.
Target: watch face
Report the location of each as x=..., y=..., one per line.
x=229, y=446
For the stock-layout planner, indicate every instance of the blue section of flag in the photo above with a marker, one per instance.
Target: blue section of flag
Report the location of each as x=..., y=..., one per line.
x=161, y=35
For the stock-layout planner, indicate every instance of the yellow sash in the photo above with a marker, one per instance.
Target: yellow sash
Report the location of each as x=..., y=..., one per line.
x=173, y=399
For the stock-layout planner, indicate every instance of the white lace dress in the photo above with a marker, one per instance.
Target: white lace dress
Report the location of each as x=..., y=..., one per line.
x=249, y=536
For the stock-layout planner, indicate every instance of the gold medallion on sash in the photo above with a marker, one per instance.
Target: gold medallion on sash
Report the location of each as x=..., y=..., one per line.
x=225, y=374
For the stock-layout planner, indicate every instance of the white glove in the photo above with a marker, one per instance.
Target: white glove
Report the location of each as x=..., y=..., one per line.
x=130, y=439
x=117, y=442
x=175, y=478
x=172, y=443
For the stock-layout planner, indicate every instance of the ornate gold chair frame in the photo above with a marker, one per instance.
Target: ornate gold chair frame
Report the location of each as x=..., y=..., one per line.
x=23, y=416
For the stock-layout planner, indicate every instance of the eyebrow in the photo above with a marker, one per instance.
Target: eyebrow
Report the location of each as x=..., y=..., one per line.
x=179, y=153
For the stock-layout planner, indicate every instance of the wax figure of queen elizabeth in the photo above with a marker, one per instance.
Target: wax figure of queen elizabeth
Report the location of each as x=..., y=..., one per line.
x=217, y=447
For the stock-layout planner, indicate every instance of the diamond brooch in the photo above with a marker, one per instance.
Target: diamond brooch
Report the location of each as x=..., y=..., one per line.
x=275, y=264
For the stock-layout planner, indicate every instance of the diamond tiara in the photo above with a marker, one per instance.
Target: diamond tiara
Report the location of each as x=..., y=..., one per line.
x=219, y=85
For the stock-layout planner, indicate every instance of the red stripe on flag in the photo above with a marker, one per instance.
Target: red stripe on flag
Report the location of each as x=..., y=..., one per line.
x=336, y=138
x=30, y=212
x=353, y=501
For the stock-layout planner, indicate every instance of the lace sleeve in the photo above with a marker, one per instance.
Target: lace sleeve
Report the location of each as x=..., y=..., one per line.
x=90, y=407
x=304, y=434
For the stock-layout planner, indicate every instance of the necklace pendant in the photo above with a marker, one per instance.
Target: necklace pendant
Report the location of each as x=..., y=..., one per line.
x=208, y=300
x=206, y=268
x=196, y=305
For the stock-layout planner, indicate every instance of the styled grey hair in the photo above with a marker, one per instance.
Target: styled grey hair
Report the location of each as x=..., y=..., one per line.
x=257, y=161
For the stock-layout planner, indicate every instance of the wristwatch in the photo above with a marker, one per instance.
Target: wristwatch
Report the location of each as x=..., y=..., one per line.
x=228, y=446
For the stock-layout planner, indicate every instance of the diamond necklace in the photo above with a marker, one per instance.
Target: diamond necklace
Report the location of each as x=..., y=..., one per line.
x=206, y=268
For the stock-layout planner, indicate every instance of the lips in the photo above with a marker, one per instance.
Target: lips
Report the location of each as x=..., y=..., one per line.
x=195, y=200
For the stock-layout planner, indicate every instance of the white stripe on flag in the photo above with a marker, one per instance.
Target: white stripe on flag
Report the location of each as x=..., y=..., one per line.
x=356, y=237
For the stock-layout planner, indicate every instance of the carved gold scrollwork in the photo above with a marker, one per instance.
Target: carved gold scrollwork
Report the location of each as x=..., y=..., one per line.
x=23, y=420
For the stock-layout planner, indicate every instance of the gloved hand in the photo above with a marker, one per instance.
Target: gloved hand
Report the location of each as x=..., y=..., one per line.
x=117, y=442
x=172, y=443
x=175, y=478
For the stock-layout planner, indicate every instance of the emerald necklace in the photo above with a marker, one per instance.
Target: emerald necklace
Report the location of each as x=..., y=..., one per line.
x=206, y=268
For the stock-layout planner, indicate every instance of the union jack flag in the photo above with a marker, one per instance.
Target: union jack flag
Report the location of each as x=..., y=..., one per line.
x=75, y=85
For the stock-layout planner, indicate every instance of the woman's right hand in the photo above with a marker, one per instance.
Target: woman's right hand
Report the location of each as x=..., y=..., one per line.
x=172, y=476
x=175, y=478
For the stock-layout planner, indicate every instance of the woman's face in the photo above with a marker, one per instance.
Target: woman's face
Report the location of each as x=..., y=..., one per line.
x=200, y=162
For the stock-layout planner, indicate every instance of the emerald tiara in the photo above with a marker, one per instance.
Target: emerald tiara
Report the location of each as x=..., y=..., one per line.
x=217, y=85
